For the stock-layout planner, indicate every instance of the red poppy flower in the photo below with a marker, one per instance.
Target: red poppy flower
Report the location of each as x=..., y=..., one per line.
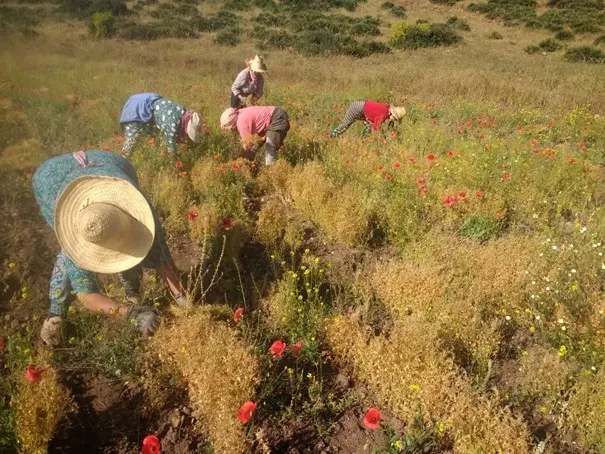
x=420, y=180
x=226, y=223
x=449, y=200
x=393, y=134
x=571, y=160
x=238, y=314
x=151, y=141
x=451, y=153
x=223, y=167
x=479, y=194
x=116, y=134
x=297, y=347
x=507, y=176
x=430, y=157
x=397, y=165
x=424, y=189
x=235, y=167
x=252, y=165
x=372, y=418
x=34, y=375
x=500, y=214
x=216, y=158
x=462, y=195
x=192, y=215
x=277, y=348
x=183, y=173
x=433, y=121
x=412, y=159
x=151, y=444
x=389, y=177
x=245, y=412
x=533, y=142
x=178, y=164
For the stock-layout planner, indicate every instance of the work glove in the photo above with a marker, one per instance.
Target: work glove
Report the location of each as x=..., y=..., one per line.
x=51, y=331
x=145, y=319
x=242, y=100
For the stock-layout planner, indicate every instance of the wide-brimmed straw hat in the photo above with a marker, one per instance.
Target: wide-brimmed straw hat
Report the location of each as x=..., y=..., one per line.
x=228, y=118
x=257, y=64
x=194, y=126
x=397, y=112
x=104, y=224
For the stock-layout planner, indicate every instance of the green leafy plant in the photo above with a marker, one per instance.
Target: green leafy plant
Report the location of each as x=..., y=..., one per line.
x=102, y=25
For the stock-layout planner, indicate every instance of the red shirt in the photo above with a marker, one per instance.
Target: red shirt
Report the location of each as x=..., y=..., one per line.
x=376, y=112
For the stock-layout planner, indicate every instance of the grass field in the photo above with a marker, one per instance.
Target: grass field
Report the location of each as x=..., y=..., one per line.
x=448, y=273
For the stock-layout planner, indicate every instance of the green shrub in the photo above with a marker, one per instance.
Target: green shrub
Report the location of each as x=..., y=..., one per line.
x=86, y=8
x=19, y=18
x=459, y=24
x=481, y=228
x=228, y=37
x=223, y=19
x=237, y=5
x=550, y=45
x=445, y=2
x=102, y=25
x=141, y=32
x=495, y=35
x=564, y=35
x=599, y=40
x=585, y=54
x=395, y=10
x=414, y=36
x=532, y=49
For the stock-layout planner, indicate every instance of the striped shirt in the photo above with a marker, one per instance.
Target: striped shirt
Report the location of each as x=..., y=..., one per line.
x=244, y=86
x=353, y=114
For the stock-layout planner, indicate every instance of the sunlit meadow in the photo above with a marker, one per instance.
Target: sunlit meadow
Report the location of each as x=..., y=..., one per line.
x=448, y=272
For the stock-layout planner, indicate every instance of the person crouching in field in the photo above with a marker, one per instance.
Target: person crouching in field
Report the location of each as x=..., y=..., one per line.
x=104, y=224
x=268, y=122
x=372, y=113
x=249, y=84
x=146, y=111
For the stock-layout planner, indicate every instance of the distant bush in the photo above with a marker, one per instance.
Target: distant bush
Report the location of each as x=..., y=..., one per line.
x=223, y=19
x=548, y=45
x=228, y=37
x=19, y=18
x=599, y=40
x=141, y=32
x=445, y=2
x=412, y=36
x=495, y=35
x=564, y=35
x=237, y=5
x=585, y=54
x=396, y=10
x=102, y=25
x=86, y=8
x=459, y=24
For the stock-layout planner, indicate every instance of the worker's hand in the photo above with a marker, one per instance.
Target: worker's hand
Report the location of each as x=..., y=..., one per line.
x=333, y=133
x=51, y=331
x=242, y=100
x=145, y=319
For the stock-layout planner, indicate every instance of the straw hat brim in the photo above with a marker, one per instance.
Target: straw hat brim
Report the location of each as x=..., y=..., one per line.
x=193, y=128
x=86, y=190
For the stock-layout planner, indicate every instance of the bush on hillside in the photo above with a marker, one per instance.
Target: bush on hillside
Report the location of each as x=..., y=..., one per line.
x=585, y=54
x=599, y=40
x=445, y=2
x=495, y=35
x=414, y=36
x=21, y=18
x=564, y=35
x=102, y=25
x=459, y=24
x=86, y=8
x=396, y=10
x=228, y=37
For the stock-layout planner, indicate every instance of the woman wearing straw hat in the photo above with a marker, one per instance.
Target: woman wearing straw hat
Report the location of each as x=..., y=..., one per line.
x=104, y=224
x=144, y=111
x=372, y=113
x=249, y=83
x=268, y=122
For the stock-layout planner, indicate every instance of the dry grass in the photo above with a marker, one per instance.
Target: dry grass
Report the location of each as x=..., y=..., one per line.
x=39, y=408
x=587, y=410
x=408, y=371
x=220, y=370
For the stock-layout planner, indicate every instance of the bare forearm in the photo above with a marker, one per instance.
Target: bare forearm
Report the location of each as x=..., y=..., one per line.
x=96, y=302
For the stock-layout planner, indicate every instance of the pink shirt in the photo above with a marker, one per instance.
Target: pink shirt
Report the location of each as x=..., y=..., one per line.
x=254, y=120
